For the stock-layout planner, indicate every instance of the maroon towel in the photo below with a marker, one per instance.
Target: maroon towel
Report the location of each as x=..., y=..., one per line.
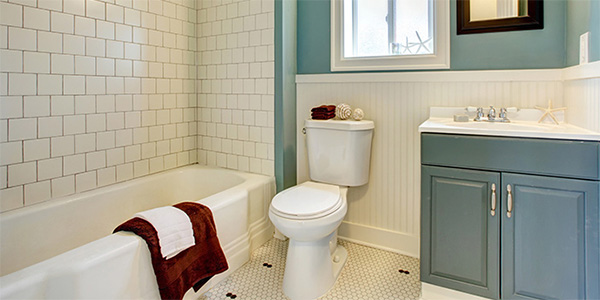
x=192, y=267
x=324, y=108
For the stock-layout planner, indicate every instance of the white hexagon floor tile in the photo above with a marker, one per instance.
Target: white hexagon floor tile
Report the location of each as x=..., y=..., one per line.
x=369, y=274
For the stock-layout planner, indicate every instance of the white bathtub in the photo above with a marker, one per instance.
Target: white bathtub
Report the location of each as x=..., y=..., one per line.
x=64, y=249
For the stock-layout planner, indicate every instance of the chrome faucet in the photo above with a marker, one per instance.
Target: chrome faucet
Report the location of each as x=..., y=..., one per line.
x=491, y=117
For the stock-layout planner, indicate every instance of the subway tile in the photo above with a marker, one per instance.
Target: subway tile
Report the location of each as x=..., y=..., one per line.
x=123, y=137
x=115, y=85
x=133, y=17
x=105, y=103
x=85, y=104
x=85, y=26
x=63, y=186
x=74, y=7
x=142, y=167
x=124, y=33
x=50, y=127
x=22, y=129
x=85, y=143
x=62, y=146
x=51, y=5
x=156, y=164
x=11, y=198
x=62, y=64
x=60, y=22
x=49, y=85
x=124, y=103
x=37, y=192
x=3, y=37
x=124, y=172
x=12, y=61
x=74, y=85
x=3, y=177
x=36, y=62
x=36, y=149
x=49, y=42
x=115, y=156
x=105, y=140
x=21, y=39
x=105, y=66
x=24, y=173
x=85, y=181
x=74, y=125
x=141, y=4
x=124, y=67
x=114, y=49
x=115, y=121
x=105, y=30
x=132, y=51
x=11, y=107
x=107, y=176
x=36, y=106
x=74, y=44
x=96, y=122
x=114, y=13
x=95, y=9
x=11, y=14
x=170, y=161
x=133, y=153
x=95, y=85
x=95, y=160
x=95, y=47
x=11, y=153
x=85, y=65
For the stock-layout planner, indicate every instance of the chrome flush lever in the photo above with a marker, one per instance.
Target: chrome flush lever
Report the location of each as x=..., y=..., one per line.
x=493, y=211
x=509, y=201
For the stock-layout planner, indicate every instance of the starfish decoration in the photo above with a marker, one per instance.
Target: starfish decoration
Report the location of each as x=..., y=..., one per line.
x=549, y=112
x=421, y=43
x=406, y=47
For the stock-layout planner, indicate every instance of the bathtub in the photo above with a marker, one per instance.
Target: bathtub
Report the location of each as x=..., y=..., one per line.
x=64, y=249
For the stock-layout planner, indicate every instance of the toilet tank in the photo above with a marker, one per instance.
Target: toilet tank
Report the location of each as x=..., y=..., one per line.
x=339, y=151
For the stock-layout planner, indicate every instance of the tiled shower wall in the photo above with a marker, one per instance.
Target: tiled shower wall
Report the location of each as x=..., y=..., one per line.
x=93, y=93
x=236, y=84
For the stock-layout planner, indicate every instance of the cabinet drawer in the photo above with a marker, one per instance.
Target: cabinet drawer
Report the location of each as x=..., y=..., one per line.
x=563, y=158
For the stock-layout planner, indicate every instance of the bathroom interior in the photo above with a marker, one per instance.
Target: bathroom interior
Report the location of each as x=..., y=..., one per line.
x=109, y=108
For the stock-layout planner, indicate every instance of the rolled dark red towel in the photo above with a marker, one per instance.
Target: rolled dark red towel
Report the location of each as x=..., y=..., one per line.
x=323, y=108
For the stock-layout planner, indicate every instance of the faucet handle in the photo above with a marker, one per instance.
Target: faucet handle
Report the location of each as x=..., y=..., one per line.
x=492, y=113
x=502, y=113
x=479, y=114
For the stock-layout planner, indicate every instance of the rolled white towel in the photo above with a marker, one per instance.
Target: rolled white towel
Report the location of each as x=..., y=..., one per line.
x=174, y=228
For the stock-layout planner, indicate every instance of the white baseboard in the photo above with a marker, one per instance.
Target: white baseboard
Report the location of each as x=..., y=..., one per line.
x=434, y=292
x=380, y=238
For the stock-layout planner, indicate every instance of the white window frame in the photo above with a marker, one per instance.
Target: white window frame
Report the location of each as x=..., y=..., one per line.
x=440, y=59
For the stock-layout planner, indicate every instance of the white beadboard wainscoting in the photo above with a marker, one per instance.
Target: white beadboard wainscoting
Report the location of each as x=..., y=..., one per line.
x=385, y=213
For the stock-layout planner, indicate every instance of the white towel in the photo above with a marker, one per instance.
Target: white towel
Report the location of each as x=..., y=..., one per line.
x=174, y=229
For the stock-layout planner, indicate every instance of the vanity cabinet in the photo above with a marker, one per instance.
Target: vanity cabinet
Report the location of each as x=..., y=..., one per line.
x=500, y=226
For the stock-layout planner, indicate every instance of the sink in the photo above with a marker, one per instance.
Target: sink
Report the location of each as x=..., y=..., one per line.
x=522, y=125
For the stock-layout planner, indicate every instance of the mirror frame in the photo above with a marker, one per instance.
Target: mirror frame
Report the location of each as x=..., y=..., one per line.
x=533, y=20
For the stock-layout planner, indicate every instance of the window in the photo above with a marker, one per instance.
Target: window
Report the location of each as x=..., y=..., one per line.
x=389, y=34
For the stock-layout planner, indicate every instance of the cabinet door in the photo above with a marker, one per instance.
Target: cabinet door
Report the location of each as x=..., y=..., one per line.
x=550, y=241
x=459, y=237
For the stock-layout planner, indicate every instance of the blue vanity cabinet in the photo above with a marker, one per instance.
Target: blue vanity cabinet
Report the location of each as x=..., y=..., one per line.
x=542, y=239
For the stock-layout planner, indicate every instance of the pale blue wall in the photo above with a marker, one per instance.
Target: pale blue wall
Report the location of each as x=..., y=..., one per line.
x=529, y=49
x=582, y=16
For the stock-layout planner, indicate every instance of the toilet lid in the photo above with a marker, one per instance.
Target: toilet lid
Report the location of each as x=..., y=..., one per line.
x=307, y=200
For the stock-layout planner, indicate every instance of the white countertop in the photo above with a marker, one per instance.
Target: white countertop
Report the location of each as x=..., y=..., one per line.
x=523, y=124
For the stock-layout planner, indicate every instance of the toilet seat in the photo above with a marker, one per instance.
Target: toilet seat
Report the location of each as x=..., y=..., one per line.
x=309, y=200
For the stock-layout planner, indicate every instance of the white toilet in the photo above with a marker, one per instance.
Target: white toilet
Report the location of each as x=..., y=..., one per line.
x=309, y=214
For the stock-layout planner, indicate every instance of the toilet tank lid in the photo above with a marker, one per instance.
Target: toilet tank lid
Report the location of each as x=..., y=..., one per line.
x=340, y=124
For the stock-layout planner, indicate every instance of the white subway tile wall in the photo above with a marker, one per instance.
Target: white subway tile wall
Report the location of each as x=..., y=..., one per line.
x=236, y=84
x=98, y=92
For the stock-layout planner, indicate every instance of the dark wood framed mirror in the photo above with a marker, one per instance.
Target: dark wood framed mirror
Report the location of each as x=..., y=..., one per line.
x=478, y=16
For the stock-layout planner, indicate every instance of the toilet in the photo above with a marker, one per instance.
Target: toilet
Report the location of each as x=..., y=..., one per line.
x=309, y=213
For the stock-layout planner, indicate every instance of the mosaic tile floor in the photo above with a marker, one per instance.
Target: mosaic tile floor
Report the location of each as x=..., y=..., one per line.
x=369, y=274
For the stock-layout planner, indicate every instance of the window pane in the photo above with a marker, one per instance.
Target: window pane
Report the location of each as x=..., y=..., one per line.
x=413, y=27
x=369, y=30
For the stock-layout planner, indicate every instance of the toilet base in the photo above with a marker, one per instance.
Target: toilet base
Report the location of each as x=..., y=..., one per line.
x=311, y=270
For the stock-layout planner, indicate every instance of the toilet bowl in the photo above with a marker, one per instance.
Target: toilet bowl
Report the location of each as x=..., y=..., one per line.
x=309, y=215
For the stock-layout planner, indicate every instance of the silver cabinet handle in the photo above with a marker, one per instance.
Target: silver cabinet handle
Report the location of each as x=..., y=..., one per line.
x=493, y=211
x=509, y=201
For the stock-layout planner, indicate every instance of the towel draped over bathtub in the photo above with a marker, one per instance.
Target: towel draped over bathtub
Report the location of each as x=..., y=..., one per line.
x=192, y=267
